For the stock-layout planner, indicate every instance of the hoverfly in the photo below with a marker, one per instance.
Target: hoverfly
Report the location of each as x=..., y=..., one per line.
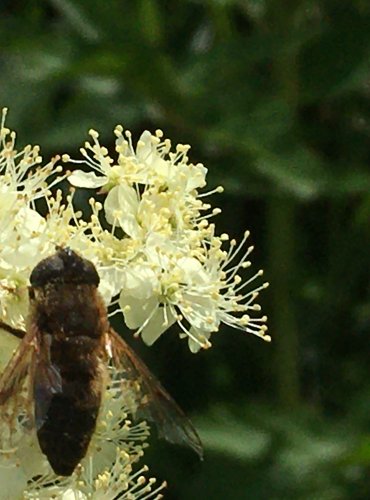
x=65, y=351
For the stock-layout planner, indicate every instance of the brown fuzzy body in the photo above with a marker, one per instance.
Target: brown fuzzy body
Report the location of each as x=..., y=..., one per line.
x=71, y=321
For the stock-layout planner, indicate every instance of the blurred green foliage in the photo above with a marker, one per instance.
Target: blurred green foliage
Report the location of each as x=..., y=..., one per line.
x=274, y=97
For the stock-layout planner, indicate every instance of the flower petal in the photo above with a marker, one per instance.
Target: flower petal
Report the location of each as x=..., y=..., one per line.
x=136, y=311
x=158, y=324
x=90, y=180
x=121, y=206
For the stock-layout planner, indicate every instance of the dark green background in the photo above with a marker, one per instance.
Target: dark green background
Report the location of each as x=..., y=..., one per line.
x=274, y=97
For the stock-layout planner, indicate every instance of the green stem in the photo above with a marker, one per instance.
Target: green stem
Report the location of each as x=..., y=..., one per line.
x=282, y=270
x=282, y=220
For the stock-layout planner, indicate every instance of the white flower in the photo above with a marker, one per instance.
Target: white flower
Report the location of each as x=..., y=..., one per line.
x=100, y=162
x=24, y=233
x=160, y=166
x=151, y=163
x=22, y=175
x=26, y=238
x=176, y=270
x=197, y=292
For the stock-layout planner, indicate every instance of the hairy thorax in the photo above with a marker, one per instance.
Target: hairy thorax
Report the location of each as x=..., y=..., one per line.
x=65, y=310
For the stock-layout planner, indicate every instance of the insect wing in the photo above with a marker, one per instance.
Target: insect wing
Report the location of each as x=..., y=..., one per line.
x=28, y=381
x=155, y=403
x=16, y=401
x=47, y=381
x=17, y=369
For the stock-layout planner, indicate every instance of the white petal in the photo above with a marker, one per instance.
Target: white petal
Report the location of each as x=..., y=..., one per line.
x=196, y=177
x=73, y=494
x=140, y=282
x=121, y=206
x=202, y=314
x=144, y=147
x=136, y=311
x=111, y=281
x=79, y=178
x=31, y=222
x=202, y=336
x=193, y=271
x=156, y=326
x=7, y=200
x=161, y=168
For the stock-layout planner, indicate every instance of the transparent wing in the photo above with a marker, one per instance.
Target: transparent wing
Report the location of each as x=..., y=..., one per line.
x=155, y=404
x=47, y=381
x=16, y=403
x=14, y=374
x=28, y=382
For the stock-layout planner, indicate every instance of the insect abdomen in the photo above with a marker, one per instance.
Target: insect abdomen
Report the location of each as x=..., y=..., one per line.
x=66, y=434
x=70, y=417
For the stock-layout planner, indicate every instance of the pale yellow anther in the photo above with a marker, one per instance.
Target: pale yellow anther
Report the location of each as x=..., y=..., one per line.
x=94, y=134
x=245, y=319
x=119, y=129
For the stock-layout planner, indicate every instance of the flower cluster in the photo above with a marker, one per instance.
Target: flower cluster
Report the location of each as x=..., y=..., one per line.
x=165, y=263
x=26, y=236
x=161, y=263
x=109, y=470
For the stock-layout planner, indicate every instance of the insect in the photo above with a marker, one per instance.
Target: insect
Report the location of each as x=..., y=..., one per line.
x=65, y=352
